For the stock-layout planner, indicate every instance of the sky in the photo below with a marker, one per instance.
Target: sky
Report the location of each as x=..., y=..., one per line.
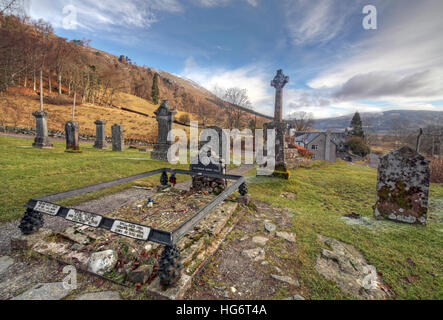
x=336, y=65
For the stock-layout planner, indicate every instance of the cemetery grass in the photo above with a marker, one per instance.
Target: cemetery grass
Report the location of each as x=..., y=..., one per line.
x=409, y=257
x=27, y=172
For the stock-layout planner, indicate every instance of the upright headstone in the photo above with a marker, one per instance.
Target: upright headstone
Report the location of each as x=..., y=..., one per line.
x=72, y=129
x=41, y=138
x=118, y=142
x=165, y=118
x=280, y=127
x=403, y=187
x=100, y=136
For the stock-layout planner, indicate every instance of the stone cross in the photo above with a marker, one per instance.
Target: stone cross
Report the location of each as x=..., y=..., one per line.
x=41, y=138
x=118, y=142
x=165, y=118
x=71, y=132
x=279, y=83
x=403, y=187
x=100, y=136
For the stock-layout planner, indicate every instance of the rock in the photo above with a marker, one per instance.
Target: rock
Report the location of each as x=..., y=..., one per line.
x=291, y=237
x=257, y=254
x=244, y=199
x=72, y=234
x=102, y=262
x=244, y=238
x=264, y=263
x=296, y=297
x=270, y=227
x=347, y=267
x=220, y=288
x=141, y=274
x=5, y=263
x=278, y=269
x=288, y=280
x=106, y=295
x=46, y=291
x=261, y=241
x=77, y=247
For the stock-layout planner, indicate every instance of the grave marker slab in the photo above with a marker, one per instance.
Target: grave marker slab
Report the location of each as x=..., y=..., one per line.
x=41, y=138
x=118, y=142
x=403, y=187
x=100, y=136
x=71, y=131
x=165, y=117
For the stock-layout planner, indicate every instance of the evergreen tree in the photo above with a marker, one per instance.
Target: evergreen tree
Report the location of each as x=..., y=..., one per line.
x=155, y=91
x=357, y=126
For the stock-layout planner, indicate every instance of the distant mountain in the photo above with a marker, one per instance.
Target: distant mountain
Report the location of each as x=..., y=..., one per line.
x=382, y=122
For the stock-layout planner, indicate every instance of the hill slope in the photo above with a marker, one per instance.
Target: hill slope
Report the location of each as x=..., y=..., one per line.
x=383, y=122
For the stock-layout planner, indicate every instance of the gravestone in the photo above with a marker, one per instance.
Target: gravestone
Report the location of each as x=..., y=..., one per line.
x=281, y=169
x=41, y=138
x=72, y=129
x=165, y=118
x=403, y=187
x=100, y=136
x=118, y=142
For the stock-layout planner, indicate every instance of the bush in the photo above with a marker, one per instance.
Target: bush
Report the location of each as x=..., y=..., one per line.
x=185, y=119
x=436, y=167
x=358, y=146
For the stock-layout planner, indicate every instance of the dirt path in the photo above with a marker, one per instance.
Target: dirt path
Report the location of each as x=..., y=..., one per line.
x=253, y=263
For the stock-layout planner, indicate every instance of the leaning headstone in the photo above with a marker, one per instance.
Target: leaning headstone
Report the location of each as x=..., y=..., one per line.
x=100, y=136
x=118, y=143
x=165, y=117
x=41, y=138
x=71, y=132
x=403, y=187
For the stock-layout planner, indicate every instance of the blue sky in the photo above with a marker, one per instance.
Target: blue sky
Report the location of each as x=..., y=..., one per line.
x=335, y=65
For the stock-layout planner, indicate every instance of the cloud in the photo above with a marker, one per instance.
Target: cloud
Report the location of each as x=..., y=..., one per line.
x=93, y=15
x=221, y=3
x=316, y=21
x=402, y=59
x=253, y=78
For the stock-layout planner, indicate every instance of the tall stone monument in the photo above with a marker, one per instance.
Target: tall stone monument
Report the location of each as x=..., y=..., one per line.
x=118, y=142
x=281, y=169
x=72, y=129
x=100, y=136
x=165, y=118
x=41, y=138
x=403, y=187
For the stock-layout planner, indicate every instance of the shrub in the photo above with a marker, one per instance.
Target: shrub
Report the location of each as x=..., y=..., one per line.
x=436, y=167
x=185, y=119
x=358, y=146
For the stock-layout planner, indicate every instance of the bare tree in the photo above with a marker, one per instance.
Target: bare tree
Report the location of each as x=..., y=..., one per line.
x=235, y=97
x=303, y=120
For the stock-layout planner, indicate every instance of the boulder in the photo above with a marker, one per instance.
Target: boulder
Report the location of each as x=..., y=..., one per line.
x=102, y=262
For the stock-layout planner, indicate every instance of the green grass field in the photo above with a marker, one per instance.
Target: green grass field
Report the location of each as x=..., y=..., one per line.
x=327, y=191
x=28, y=172
x=324, y=193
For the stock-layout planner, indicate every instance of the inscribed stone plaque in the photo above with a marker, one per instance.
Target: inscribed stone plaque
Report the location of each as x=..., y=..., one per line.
x=131, y=230
x=47, y=208
x=83, y=217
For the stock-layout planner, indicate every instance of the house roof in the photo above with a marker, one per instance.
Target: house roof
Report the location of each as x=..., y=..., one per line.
x=308, y=137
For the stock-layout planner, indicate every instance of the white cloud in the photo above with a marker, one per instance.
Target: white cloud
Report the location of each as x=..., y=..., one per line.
x=94, y=15
x=316, y=21
x=220, y=3
x=253, y=78
x=402, y=59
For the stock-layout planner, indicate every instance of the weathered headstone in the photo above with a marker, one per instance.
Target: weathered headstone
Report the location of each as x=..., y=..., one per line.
x=100, y=136
x=72, y=129
x=118, y=142
x=403, y=187
x=41, y=138
x=165, y=117
x=281, y=169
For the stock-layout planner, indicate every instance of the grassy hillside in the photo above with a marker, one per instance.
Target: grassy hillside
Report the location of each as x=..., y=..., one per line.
x=323, y=193
x=16, y=110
